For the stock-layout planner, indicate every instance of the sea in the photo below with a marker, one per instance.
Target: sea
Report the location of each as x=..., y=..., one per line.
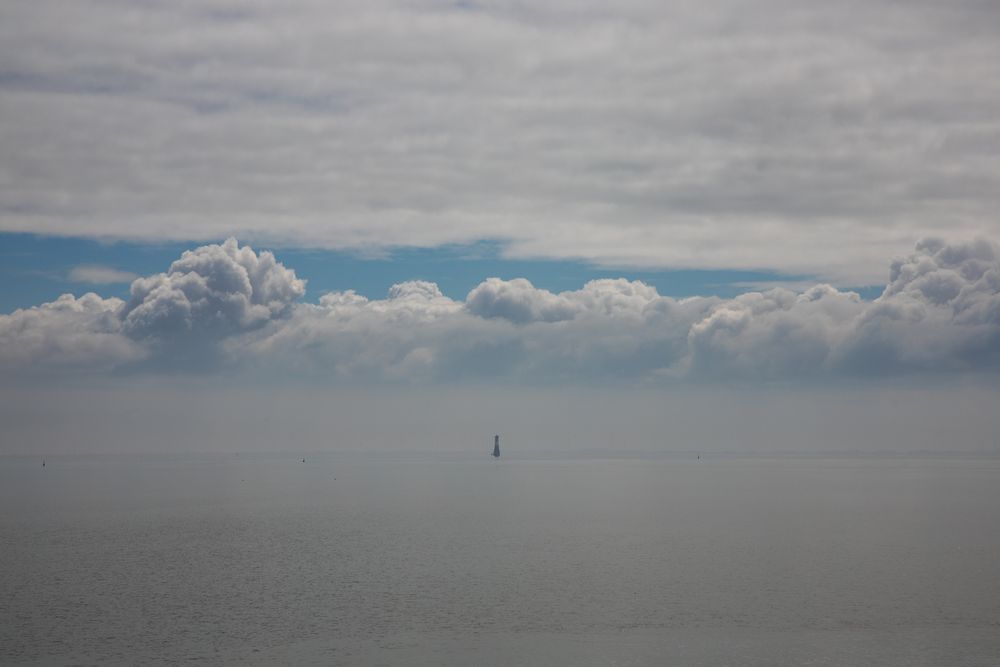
x=431, y=558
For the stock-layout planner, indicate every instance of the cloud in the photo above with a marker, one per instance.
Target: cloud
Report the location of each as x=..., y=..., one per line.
x=172, y=318
x=518, y=301
x=938, y=313
x=940, y=309
x=226, y=305
x=209, y=294
x=504, y=331
x=100, y=275
x=776, y=333
x=67, y=334
x=758, y=138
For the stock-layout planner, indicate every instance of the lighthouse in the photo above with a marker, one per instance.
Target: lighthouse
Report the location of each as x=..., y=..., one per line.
x=496, y=446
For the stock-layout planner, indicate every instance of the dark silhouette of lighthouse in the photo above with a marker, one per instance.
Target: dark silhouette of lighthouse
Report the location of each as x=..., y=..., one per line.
x=496, y=446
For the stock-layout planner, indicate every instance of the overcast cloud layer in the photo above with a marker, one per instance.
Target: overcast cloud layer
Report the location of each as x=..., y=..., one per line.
x=806, y=137
x=227, y=307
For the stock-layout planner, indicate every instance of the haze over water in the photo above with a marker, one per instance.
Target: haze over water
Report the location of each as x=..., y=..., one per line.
x=401, y=559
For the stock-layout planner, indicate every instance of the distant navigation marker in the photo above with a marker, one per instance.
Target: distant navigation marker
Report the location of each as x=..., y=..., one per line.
x=496, y=446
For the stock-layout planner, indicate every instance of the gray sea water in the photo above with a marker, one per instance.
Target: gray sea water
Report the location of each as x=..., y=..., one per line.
x=460, y=560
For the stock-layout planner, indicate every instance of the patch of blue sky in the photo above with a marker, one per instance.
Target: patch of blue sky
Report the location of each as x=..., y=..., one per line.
x=35, y=269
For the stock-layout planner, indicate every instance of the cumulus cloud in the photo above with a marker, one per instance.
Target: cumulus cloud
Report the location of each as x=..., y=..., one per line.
x=518, y=301
x=629, y=133
x=210, y=293
x=405, y=335
x=68, y=333
x=503, y=330
x=939, y=312
x=776, y=333
x=940, y=309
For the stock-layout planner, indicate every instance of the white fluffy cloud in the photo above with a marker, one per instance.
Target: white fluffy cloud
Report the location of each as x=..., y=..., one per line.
x=682, y=134
x=519, y=301
x=941, y=309
x=210, y=293
x=940, y=312
x=774, y=333
x=68, y=333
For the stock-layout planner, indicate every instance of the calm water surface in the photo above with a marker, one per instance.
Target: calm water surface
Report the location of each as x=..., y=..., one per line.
x=402, y=560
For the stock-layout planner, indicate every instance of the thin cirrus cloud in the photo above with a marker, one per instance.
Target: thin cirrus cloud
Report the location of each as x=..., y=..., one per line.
x=227, y=307
x=100, y=275
x=816, y=138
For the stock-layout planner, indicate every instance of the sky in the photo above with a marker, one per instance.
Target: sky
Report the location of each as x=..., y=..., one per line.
x=764, y=225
